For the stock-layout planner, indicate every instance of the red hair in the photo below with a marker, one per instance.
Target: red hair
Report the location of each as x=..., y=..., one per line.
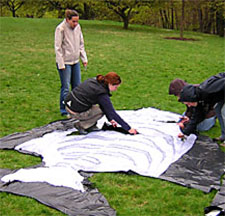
x=110, y=78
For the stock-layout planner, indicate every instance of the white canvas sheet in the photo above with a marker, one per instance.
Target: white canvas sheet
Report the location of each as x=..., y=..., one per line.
x=149, y=153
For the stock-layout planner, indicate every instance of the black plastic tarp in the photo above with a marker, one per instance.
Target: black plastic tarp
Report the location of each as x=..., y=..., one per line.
x=66, y=200
x=219, y=199
x=200, y=168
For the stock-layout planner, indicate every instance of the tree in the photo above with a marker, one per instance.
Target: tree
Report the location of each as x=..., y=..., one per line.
x=210, y=16
x=220, y=19
x=33, y=9
x=182, y=21
x=62, y=5
x=87, y=9
x=12, y=5
x=167, y=12
x=124, y=9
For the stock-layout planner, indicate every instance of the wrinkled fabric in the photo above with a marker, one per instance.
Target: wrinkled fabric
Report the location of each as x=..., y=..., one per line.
x=200, y=168
x=149, y=153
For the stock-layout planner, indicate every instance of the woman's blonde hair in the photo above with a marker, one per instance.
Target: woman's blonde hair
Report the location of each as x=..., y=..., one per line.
x=70, y=13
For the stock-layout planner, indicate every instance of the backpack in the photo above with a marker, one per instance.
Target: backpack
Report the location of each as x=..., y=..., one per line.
x=213, y=84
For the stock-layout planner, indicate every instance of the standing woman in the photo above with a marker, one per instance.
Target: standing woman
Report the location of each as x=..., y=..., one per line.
x=89, y=101
x=69, y=48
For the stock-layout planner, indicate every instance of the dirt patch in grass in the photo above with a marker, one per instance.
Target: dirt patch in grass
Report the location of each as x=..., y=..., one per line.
x=183, y=39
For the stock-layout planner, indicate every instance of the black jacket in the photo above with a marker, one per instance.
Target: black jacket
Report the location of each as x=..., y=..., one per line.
x=85, y=95
x=198, y=114
x=89, y=93
x=210, y=91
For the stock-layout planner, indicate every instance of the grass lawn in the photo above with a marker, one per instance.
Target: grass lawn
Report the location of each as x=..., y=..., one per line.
x=146, y=62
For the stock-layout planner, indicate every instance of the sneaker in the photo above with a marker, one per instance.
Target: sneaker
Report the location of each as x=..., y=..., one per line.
x=222, y=144
x=64, y=114
x=219, y=139
x=68, y=116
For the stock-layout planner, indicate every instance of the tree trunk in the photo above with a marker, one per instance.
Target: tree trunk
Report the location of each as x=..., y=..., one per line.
x=87, y=12
x=125, y=22
x=177, y=19
x=182, y=22
x=194, y=20
x=172, y=18
x=162, y=18
x=166, y=19
x=209, y=25
x=14, y=13
x=220, y=23
x=200, y=19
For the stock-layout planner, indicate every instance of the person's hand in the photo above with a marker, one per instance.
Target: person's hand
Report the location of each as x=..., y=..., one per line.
x=180, y=135
x=184, y=119
x=133, y=131
x=114, y=123
x=181, y=125
x=85, y=65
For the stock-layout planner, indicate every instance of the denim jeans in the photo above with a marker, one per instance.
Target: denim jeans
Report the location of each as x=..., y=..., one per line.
x=206, y=124
x=220, y=113
x=69, y=76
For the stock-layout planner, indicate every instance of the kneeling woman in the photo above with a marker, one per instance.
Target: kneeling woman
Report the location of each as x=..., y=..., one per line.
x=89, y=101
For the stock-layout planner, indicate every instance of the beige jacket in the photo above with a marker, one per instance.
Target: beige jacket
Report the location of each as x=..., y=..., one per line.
x=69, y=45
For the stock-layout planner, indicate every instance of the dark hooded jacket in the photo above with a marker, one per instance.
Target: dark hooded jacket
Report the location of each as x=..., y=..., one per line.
x=207, y=94
x=175, y=88
x=210, y=91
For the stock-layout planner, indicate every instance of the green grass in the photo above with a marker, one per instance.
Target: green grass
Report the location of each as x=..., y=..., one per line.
x=29, y=98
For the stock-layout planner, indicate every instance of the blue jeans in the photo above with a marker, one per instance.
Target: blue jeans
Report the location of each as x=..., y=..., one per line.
x=69, y=76
x=206, y=124
x=220, y=113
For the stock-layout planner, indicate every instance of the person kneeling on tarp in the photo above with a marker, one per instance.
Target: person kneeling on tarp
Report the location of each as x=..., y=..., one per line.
x=188, y=122
x=209, y=92
x=89, y=101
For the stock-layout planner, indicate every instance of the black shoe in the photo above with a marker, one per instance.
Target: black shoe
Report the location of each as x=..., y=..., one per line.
x=93, y=128
x=218, y=139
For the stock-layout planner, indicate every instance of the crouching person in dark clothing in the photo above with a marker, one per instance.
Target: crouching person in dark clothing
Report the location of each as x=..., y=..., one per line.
x=89, y=101
x=209, y=93
x=202, y=122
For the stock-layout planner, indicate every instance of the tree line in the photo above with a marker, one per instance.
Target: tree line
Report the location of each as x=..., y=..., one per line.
x=205, y=16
